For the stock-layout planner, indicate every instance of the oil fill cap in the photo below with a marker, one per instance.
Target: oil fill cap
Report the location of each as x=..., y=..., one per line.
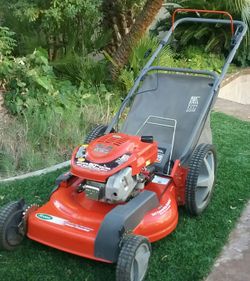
x=148, y=139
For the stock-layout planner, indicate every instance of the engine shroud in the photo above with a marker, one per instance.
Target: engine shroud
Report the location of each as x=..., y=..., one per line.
x=111, y=153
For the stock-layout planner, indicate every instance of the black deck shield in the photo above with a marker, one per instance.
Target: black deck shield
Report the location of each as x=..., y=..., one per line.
x=123, y=218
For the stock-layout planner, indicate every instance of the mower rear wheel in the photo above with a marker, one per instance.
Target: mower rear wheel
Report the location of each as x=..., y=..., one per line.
x=133, y=259
x=200, y=179
x=11, y=216
x=96, y=132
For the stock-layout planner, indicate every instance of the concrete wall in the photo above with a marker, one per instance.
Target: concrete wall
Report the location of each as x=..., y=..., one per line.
x=236, y=87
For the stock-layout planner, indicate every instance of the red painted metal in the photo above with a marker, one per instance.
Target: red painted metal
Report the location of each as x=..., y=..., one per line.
x=77, y=219
x=70, y=221
x=161, y=221
x=115, y=145
x=179, y=175
x=202, y=11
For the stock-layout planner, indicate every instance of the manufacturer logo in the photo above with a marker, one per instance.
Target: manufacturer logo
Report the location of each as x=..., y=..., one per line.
x=124, y=158
x=93, y=166
x=100, y=148
x=162, y=209
x=44, y=217
x=63, y=222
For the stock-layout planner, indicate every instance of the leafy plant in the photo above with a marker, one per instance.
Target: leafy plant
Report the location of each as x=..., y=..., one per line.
x=139, y=57
x=51, y=114
x=193, y=57
x=215, y=38
x=76, y=68
x=58, y=26
x=7, y=42
x=137, y=31
x=31, y=83
x=41, y=136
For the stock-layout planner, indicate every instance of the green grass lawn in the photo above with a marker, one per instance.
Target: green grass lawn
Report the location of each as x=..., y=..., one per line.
x=187, y=254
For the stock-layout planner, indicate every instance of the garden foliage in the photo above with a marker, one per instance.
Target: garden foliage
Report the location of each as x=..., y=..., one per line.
x=58, y=26
x=215, y=38
x=55, y=58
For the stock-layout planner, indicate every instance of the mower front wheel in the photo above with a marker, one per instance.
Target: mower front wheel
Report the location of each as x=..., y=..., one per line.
x=201, y=179
x=11, y=234
x=133, y=260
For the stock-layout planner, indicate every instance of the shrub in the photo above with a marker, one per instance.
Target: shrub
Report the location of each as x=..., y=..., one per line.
x=215, y=38
x=31, y=83
x=139, y=57
x=40, y=138
x=58, y=26
x=52, y=115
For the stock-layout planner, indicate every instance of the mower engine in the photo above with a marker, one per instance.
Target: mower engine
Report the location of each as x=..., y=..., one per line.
x=114, y=167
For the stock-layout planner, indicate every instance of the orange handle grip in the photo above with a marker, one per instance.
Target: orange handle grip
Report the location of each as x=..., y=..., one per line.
x=203, y=11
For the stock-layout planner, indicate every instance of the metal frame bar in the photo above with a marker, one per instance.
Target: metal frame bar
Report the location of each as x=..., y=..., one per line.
x=197, y=11
x=163, y=125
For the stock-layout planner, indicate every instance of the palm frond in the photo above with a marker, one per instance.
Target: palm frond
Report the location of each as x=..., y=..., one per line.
x=213, y=42
x=201, y=32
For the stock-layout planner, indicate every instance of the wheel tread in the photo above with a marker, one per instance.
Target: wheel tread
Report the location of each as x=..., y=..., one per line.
x=96, y=132
x=5, y=212
x=129, y=247
x=194, y=170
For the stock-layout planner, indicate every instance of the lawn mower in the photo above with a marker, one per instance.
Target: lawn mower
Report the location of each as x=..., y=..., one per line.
x=126, y=182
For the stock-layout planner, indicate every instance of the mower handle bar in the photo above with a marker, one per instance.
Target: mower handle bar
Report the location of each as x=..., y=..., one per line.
x=240, y=31
x=197, y=11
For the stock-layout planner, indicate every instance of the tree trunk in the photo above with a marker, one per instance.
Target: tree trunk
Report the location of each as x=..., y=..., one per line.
x=118, y=17
x=130, y=18
x=138, y=29
x=111, y=21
